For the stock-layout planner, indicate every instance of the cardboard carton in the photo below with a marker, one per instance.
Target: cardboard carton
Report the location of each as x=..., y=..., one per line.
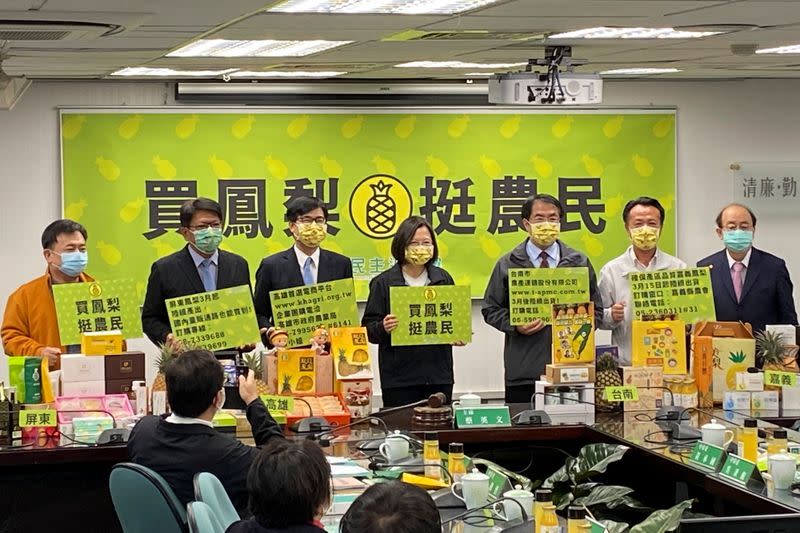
x=560, y=374
x=647, y=379
x=721, y=350
x=350, y=352
x=660, y=343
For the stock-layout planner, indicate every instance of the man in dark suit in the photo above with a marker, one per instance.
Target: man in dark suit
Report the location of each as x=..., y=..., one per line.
x=184, y=443
x=199, y=267
x=305, y=263
x=749, y=285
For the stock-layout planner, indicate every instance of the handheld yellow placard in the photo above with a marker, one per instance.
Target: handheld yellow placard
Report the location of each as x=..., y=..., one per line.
x=780, y=379
x=625, y=393
x=31, y=418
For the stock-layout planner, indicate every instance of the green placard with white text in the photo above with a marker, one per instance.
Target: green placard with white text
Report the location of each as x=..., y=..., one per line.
x=533, y=291
x=301, y=310
x=683, y=294
x=97, y=306
x=215, y=320
x=467, y=170
x=436, y=314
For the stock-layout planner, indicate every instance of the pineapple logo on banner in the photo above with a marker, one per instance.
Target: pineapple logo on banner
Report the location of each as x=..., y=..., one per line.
x=378, y=204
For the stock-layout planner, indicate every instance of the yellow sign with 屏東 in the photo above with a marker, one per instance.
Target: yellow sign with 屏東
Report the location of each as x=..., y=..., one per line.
x=573, y=333
x=350, y=352
x=661, y=343
x=721, y=350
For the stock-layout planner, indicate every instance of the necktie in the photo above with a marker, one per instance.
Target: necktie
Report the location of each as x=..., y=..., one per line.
x=543, y=258
x=738, y=268
x=308, y=274
x=209, y=283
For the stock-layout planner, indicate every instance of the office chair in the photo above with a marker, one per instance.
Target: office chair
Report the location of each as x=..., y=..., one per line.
x=144, y=502
x=202, y=519
x=209, y=490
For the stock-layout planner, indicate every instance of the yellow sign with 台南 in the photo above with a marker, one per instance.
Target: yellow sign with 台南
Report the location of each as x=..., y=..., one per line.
x=624, y=393
x=31, y=418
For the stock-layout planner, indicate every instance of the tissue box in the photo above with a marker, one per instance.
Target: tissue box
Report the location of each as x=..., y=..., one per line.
x=643, y=377
x=564, y=374
x=79, y=368
x=736, y=401
x=745, y=381
x=765, y=400
x=83, y=388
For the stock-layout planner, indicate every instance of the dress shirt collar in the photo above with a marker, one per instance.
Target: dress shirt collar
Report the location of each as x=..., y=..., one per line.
x=745, y=261
x=175, y=419
x=301, y=256
x=197, y=258
x=553, y=252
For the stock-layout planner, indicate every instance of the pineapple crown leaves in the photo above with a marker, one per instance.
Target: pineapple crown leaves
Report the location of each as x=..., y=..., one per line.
x=770, y=345
x=737, y=357
x=254, y=362
x=606, y=362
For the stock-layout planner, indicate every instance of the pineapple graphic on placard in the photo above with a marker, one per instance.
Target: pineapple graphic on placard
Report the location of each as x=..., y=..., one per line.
x=381, y=209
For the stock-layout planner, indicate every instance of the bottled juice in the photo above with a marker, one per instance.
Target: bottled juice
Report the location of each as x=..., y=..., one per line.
x=455, y=461
x=748, y=440
x=576, y=517
x=542, y=497
x=431, y=456
x=778, y=442
x=549, y=522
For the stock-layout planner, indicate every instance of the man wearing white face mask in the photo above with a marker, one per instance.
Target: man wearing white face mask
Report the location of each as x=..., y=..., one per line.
x=643, y=218
x=199, y=267
x=184, y=443
x=30, y=325
x=305, y=263
x=528, y=347
x=749, y=285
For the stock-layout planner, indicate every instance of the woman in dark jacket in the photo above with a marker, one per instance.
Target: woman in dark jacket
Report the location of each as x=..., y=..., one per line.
x=290, y=489
x=408, y=373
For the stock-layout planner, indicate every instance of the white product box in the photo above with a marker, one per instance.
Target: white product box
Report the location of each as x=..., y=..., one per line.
x=789, y=332
x=550, y=400
x=790, y=397
x=79, y=367
x=745, y=381
x=737, y=401
x=83, y=388
x=765, y=400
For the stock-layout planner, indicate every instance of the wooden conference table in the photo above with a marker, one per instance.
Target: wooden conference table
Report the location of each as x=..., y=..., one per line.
x=67, y=488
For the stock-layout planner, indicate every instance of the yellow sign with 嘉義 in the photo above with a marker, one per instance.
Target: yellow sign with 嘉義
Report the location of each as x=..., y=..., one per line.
x=467, y=171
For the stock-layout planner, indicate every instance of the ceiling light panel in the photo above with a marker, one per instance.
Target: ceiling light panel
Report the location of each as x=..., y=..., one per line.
x=605, y=32
x=286, y=74
x=168, y=72
x=258, y=48
x=398, y=7
x=640, y=71
x=791, y=49
x=457, y=64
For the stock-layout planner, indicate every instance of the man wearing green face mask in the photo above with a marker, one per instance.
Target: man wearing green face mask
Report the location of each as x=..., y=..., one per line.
x=527, y=347
x=643, y=218
x=749, y=285
x=199, y=267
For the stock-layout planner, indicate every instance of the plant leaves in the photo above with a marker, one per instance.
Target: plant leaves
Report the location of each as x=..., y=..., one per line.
x=594, y=459
x=663, y=520
x=603, y=494
x=564, y=501
x=629, y=502
x=562, y=474
x=614, y=527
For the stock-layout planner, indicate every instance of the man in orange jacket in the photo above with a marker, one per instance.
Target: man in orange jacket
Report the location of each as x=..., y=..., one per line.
x=30, y=326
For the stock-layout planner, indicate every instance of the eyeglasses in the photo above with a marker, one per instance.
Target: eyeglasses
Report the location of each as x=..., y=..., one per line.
x=309, y=220
x=199, y=227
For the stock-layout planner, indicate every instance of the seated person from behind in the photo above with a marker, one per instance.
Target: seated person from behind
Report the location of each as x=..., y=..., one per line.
x=393, y=507
x=184, y=443
x=290, y=489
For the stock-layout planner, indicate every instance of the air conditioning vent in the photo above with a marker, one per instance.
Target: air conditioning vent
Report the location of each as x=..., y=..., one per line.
x=27, y=30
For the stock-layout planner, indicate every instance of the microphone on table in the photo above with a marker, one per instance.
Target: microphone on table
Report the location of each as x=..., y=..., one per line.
x=311, y=423
x=535, y=417
x=326, y=437
x=680, y=431
x=487, y=506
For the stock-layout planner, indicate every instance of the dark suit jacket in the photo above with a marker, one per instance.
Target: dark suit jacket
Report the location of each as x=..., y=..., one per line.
x=176, y=275
x=179, y=451
x=766, y=295
x=282, y=271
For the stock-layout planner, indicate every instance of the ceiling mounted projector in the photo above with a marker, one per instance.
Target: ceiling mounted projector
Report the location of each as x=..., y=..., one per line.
x=550, y=87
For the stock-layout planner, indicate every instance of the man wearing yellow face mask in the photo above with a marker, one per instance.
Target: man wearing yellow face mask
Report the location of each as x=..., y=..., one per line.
x=305, y=263
x=643, y=218
x=527, y=347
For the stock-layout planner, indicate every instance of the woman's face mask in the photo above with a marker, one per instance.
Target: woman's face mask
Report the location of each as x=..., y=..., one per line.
x=419, y=254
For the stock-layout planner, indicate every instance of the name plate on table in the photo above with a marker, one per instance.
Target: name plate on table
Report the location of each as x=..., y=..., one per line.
x=706, y=455
x=498, y=482
x=780, y=379
x=483, y=417
x=624, y=393
x=37, y=418
x=737, y=469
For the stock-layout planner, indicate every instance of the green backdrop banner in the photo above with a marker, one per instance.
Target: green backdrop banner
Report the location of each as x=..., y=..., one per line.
x=467, y=171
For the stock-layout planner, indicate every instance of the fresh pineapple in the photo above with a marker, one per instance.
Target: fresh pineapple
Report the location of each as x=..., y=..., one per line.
x=166, y=354
x=607, y=376
x=254, y=362
x=770, y=349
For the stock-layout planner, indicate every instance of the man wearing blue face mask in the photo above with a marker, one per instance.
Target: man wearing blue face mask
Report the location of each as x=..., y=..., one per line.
x=30, y=325
x=749, y=285
x=199, y=267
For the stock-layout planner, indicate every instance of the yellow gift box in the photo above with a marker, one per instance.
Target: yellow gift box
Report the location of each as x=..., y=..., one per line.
x=660, y=343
